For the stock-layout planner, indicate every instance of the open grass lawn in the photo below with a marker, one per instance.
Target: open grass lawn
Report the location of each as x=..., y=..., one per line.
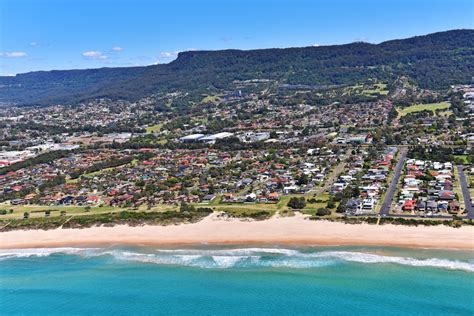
x=470, y=183
x=462, y=158
x=322, y=200
x=246, y=206
x=69, y=180
x=154, y=128
x=39, y=210
x=237, y=209
x=243, y=210
x=210, y=98
x=98, y=172
x=457, y=190
x=134, y=162
x=422, y=107
x=446, y=113
x=367, y=89
x=380, y=88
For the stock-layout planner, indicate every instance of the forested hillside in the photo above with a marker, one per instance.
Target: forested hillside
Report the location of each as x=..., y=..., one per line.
x=431, y=61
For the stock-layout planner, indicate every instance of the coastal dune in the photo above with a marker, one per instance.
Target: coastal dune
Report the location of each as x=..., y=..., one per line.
x=296, y=230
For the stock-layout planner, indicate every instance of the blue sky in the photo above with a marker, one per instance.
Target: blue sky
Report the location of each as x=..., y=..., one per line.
x=70, y=34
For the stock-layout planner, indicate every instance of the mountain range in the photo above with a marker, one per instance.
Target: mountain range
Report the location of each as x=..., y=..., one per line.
x=432, y=61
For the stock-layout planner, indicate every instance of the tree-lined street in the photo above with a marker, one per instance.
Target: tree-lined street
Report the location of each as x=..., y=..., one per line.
x=385, y=209
x=465, y=192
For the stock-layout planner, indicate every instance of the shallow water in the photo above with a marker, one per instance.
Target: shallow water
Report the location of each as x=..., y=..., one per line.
x=236, y=280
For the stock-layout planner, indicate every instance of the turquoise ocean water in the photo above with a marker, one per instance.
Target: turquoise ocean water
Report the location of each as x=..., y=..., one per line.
x=234, y=280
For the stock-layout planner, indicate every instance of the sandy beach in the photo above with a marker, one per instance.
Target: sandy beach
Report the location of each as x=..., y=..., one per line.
x=212, y=230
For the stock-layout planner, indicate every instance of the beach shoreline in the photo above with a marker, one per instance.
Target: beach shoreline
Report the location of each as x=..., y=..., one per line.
x=294, y=231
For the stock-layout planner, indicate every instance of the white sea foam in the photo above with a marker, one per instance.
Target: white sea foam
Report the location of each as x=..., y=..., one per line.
x=374, y=258
x=41, y=252
x=227, y=261
x=192, y=260
x=296, y=263
x=243, y=257
x=230, y=252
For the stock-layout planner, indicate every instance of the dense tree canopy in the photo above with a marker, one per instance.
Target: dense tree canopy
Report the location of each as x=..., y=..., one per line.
x=432, y=61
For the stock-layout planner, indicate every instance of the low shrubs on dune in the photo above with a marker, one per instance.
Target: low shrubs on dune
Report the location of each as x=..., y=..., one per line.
x=125, y=217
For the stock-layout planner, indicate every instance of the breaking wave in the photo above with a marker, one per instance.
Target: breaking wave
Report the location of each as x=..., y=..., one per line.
x=42, y=252
x=242, y=257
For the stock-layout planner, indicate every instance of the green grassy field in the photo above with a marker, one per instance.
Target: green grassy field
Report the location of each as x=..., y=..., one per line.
x=37, y=211
x=237, y=209
x=457, y=190
x=377, y=88
x=446, y=113
x=243, y=209
x=133, y=163
x=470, y=180
x=154, y=128
x=462, y=158
x=380, y=88
x=210, y=98
x=422, y=107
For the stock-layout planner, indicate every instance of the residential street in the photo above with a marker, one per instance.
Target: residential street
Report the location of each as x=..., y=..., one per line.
x=465, y=192
x=385, y=209
x=333, y=176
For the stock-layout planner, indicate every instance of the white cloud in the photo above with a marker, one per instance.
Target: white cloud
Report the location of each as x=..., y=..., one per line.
x=13, y=54
x=94, y=55
x=117, y=49
x=33, y=44
x=316, y=45
x=168, y=54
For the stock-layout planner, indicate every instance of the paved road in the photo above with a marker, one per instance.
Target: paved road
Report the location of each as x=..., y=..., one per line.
x=421, y=216
x=387, y=202
x=465, y=192
x=333, y=176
